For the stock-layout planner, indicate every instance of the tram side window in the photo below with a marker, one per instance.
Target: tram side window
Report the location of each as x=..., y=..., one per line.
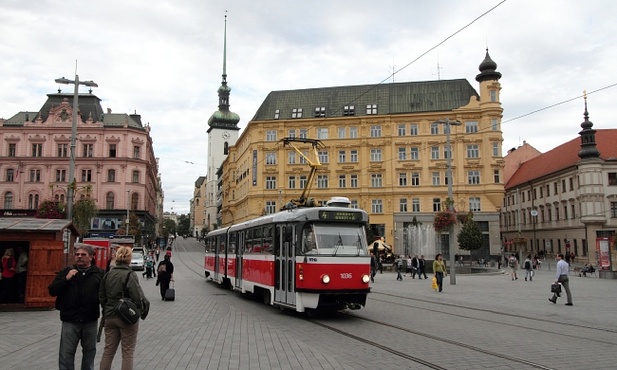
x=232, y=243
x=248, y=246
x=221, y=241
x=209, y=245
x=308, y=241
x=267, y=239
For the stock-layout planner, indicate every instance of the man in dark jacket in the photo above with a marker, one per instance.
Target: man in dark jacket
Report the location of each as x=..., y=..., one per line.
x=77, y=291
x=165, y=274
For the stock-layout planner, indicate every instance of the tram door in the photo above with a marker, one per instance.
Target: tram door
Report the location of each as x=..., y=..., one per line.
x=237, y=239
x=285, y=265
x=219, y=256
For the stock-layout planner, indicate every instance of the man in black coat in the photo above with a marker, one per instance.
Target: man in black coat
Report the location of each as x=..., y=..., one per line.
x=77, y=290
x=165, y=272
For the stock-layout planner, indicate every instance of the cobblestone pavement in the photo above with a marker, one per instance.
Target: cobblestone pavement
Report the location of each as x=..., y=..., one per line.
x=210, y=328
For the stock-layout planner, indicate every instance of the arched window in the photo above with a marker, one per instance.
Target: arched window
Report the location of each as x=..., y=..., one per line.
x=8, y=200
x=134, y=201
x=59, y=197
x=33, y=201
x=109, y=200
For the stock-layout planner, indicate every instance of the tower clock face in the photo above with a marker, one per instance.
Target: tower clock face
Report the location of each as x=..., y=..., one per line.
x=225, y=135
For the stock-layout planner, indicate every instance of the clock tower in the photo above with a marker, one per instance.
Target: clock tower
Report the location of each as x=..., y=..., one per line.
x=222, y=132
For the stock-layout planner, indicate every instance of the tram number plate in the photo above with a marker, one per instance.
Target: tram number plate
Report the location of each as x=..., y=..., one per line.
x=346, y=275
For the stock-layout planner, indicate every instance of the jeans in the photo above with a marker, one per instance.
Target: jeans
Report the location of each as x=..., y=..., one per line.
x=117, y=331
x=72, y=333
x=439, y=280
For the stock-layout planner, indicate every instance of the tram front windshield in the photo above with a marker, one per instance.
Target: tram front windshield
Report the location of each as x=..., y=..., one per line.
x=334, y=240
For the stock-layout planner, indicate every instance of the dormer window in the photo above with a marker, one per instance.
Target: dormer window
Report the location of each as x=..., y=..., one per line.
x=371, y=109
x=349, y=110
x=277, y=114
x=320, y=111
x=296, y=113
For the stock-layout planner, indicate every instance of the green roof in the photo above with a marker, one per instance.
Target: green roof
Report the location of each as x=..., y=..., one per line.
x=390, y=98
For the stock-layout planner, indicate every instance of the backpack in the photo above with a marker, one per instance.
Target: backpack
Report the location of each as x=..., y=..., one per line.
x=511, y=263
x=527, y=265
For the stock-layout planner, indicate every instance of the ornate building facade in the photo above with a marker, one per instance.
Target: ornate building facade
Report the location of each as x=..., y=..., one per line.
x=114, y=162
x=385, y=148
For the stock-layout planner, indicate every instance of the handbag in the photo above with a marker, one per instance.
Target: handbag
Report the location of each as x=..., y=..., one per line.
x=126, y=309
x=556, y=288
x=434, y=283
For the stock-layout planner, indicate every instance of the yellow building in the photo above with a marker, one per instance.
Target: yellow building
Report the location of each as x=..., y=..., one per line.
x=385, y=148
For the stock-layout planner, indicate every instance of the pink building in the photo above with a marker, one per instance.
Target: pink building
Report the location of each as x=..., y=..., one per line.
x=114, y=156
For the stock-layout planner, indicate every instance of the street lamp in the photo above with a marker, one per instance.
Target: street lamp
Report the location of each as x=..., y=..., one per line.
x=447, y=123
x=71, y=190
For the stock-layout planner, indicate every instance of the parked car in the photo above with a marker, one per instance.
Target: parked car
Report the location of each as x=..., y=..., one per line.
x=137, y=261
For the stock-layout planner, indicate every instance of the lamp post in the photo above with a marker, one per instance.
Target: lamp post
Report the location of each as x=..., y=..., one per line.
x=128, y=204
x=447, y=123
x=71, y=189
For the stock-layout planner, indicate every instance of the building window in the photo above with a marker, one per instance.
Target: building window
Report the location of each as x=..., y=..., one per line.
x=8, y=200
x=436, y=205
x=434, y=128
x=436, y=178
x=613, y=209
x=291, y=157
x=413, y=129
x=446, y=153
x=35, y=175
x=415, y=179
x=322, y=181
x=612, y=178
x=270, y=182
x=571, y=183
x=322, y=133
x=86, y=175
x=375, y=155
x=320, y=112
x=341, y=156
x=402, y=153
x=434, y=152
x=375, y=131
x=414, y=153
x=63, y=150
x=415, y=205
x=341, y=132
x=291, y=182
x=33, y=201
x=10, y=175
x=291, y=133
x=270, y=158
x=37, y=150
x=349, y=110
x=493, y=96
x=376, y=206
x=323, y=156
x=473, y=177
x=473, y=151
x=496, y=150
x=353, y=132
x=136, y=152
x=353, y=181
x=494, y=124
x=371, y=109
x=376, y=180
x=296, y=113
x=402, y=179
x=88, y=150
x=134, y=201
x=270, y=207
x=401, y=128
x=497, y=179
x=471, y=127
x=354, y=204
x=573, y=211
x=565, y=212
x=548, y=190
x=271, y=135
x=61, y=175
x=303, y=133
x=110, y=200
x=342, y=181
x=474, y=204
x=353, y=156
x=111, y=175
x=402, y=205
x=302, y=159
x=277, y=113
x=135, y=176
x=12, y=150
x=112, y=150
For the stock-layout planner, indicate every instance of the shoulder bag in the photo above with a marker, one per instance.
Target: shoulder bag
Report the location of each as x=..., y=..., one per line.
x=126, y=309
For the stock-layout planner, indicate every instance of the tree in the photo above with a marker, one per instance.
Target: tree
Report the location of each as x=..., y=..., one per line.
x=169, y=228
x=470, y=236
x=184, y=225
x=84, y=210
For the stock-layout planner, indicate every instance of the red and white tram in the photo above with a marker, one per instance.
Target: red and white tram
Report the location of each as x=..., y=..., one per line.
x=301, y=258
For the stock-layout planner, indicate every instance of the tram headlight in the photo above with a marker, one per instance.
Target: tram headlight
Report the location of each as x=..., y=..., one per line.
x=325, y=279
x=365, y=279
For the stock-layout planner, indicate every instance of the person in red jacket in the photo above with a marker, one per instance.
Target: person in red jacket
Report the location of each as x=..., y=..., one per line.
x=8, y=284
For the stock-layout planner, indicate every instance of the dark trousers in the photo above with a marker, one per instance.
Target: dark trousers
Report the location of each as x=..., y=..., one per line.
x=565, y=282
x=164, y=285
x=439, y=280
x=72, y=334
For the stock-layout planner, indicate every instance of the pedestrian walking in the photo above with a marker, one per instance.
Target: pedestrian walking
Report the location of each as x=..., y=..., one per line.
x=513, y=264
x=165, y=272
x=408, y=268
x=439, y=268
x=528, y=266
x=561, y=276
x=76, y=289
x=415, y=267
x=422, y=268
x=119, y=282
x=373, y=267
x=398, y=263
x=157, y=253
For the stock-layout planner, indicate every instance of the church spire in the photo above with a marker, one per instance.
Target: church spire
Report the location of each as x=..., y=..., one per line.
x=223, y=118
x=588, y=137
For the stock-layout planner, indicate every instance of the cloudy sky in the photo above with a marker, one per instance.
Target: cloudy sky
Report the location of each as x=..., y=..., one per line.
x=163, y=59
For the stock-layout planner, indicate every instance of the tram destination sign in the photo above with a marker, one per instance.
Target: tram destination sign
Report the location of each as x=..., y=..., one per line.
x=340, y=216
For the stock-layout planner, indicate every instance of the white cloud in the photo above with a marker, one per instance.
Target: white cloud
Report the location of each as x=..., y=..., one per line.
x=164, y=60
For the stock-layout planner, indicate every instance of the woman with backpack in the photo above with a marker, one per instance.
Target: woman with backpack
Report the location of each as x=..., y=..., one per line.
x=528, y=266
